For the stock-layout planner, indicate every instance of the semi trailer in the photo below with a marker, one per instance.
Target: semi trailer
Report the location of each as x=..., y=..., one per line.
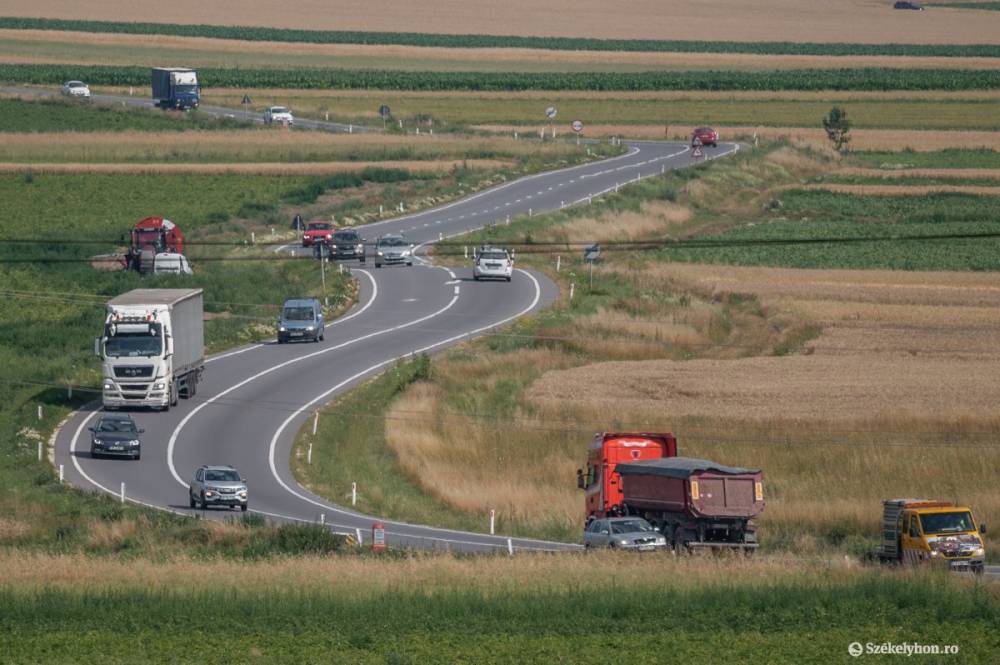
x=152, y=349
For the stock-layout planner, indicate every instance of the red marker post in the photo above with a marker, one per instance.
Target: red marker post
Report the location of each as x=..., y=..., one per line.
x=378, y=537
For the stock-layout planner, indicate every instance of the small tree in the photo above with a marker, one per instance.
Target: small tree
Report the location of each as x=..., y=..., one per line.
x=837, y=127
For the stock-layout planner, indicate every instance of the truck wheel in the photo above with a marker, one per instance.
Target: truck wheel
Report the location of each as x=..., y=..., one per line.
x=244, y=507
x=174, y=393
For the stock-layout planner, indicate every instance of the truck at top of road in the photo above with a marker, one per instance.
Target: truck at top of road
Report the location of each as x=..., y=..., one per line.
x=916, y=531
x=176, y=88
x=694, y=503
x=152, y=349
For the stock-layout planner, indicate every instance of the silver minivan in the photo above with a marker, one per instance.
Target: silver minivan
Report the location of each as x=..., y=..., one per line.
x=301, y=320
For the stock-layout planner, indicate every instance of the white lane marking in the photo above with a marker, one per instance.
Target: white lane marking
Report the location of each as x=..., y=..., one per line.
x=173, y=437
x=409, y=300
x=171, y=445
x=456, y=290
x=305, y=407
x=454, y=282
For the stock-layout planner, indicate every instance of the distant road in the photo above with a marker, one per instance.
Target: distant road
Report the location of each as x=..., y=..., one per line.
x=218, y=111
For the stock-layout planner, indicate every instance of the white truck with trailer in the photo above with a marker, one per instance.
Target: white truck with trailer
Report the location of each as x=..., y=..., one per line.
x=152, y=350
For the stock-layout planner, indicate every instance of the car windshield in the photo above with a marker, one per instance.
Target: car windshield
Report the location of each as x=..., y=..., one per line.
x=494, y=256
x=946, y=522
x=132, y=345
x=186, y=89
x=279, y=109
x=347, y=237
x=76, y=84
x=116, y=426
x=393, y=242
x=318, y=226
x=222, y=475
x=298, y=314
x=630, y=526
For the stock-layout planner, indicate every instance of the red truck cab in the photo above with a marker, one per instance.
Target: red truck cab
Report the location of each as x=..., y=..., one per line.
x=600, y=483
x=318, y=232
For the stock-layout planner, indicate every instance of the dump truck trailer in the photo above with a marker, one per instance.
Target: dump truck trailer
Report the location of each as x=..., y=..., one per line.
x=694, y=503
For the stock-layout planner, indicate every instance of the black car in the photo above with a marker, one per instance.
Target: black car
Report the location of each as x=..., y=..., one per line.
x=116, y=435
x=347, y=244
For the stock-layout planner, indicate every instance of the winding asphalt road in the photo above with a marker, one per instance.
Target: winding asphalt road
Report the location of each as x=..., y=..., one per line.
x=253, y=400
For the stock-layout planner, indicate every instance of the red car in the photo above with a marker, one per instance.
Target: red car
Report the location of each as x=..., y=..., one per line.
x=705, y=136
x=317, y=232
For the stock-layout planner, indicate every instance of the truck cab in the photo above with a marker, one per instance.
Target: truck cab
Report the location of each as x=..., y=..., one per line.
x=600, y=483
x=916, y=531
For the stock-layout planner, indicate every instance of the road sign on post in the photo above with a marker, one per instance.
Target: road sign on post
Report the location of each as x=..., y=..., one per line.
x=246, y=103
x=592, y=253
x=383, y=111
x=378, y=537
x=578, y=128
x=550, y=113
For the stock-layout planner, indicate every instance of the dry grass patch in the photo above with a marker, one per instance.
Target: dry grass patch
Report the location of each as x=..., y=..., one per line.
x=652, y=220
x=372, y=577
x=732, y=20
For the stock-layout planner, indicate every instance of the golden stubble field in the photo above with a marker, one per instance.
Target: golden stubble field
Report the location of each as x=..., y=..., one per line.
x=867, y=21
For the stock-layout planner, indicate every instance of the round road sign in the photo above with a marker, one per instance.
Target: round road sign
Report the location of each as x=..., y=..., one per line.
x=550, y=112
x=577, y=126
x=383, y=110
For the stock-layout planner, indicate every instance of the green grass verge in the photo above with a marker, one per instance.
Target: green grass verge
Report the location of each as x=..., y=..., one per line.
x=941, y=159
x=794, y=622
x=59, y=115
x=990, y=6
x=341, y=79
x=249, y=33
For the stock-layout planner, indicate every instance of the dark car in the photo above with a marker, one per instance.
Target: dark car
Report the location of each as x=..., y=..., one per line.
x=908, y=5
x=704, y=136
x=347, y=245
x=116, y=435
x=393, y=249
x=218, y=486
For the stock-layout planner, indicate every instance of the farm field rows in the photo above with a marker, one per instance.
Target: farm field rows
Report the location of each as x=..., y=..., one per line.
x=861, y=21
x=81, y=48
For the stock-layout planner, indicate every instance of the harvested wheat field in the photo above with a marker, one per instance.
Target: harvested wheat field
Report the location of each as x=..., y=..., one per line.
x=861, y=139
x=896, y=173
x=903, y=190
x=84, y=48
x=893, y=345
x=868, y=21
x=254, y=168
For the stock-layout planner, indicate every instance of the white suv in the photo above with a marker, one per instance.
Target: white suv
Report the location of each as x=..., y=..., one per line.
x=492, y=263
x=278, y=114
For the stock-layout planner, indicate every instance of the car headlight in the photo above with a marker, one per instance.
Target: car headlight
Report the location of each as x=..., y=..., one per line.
x=329, y=235
x=935, y=554
x=309, y=328
x=979, y=551
x=406, y=252
x=134, y=442
x=108, y=385
x=623, y=541
x=360, y=248
x=661, y=541
x=243, y=494
x=98, y=442
x=380, y=252
x=209, y=493
x=159, y=386
x=332, y=246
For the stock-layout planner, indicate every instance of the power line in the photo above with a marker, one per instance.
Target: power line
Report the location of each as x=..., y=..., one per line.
x=571, y=425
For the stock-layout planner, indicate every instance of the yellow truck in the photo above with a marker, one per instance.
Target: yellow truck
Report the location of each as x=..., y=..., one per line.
x=916, y=531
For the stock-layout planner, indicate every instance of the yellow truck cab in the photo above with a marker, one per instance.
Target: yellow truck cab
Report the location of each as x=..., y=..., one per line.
x=916, y=531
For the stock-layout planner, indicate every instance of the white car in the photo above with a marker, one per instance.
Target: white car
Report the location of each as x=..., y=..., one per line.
x=492, y=263
x=278, y=114
x=170, y=263
x=76, y=89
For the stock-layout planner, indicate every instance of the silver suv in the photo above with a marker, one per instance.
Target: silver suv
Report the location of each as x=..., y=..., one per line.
x=492, y=263
x=218, y=486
